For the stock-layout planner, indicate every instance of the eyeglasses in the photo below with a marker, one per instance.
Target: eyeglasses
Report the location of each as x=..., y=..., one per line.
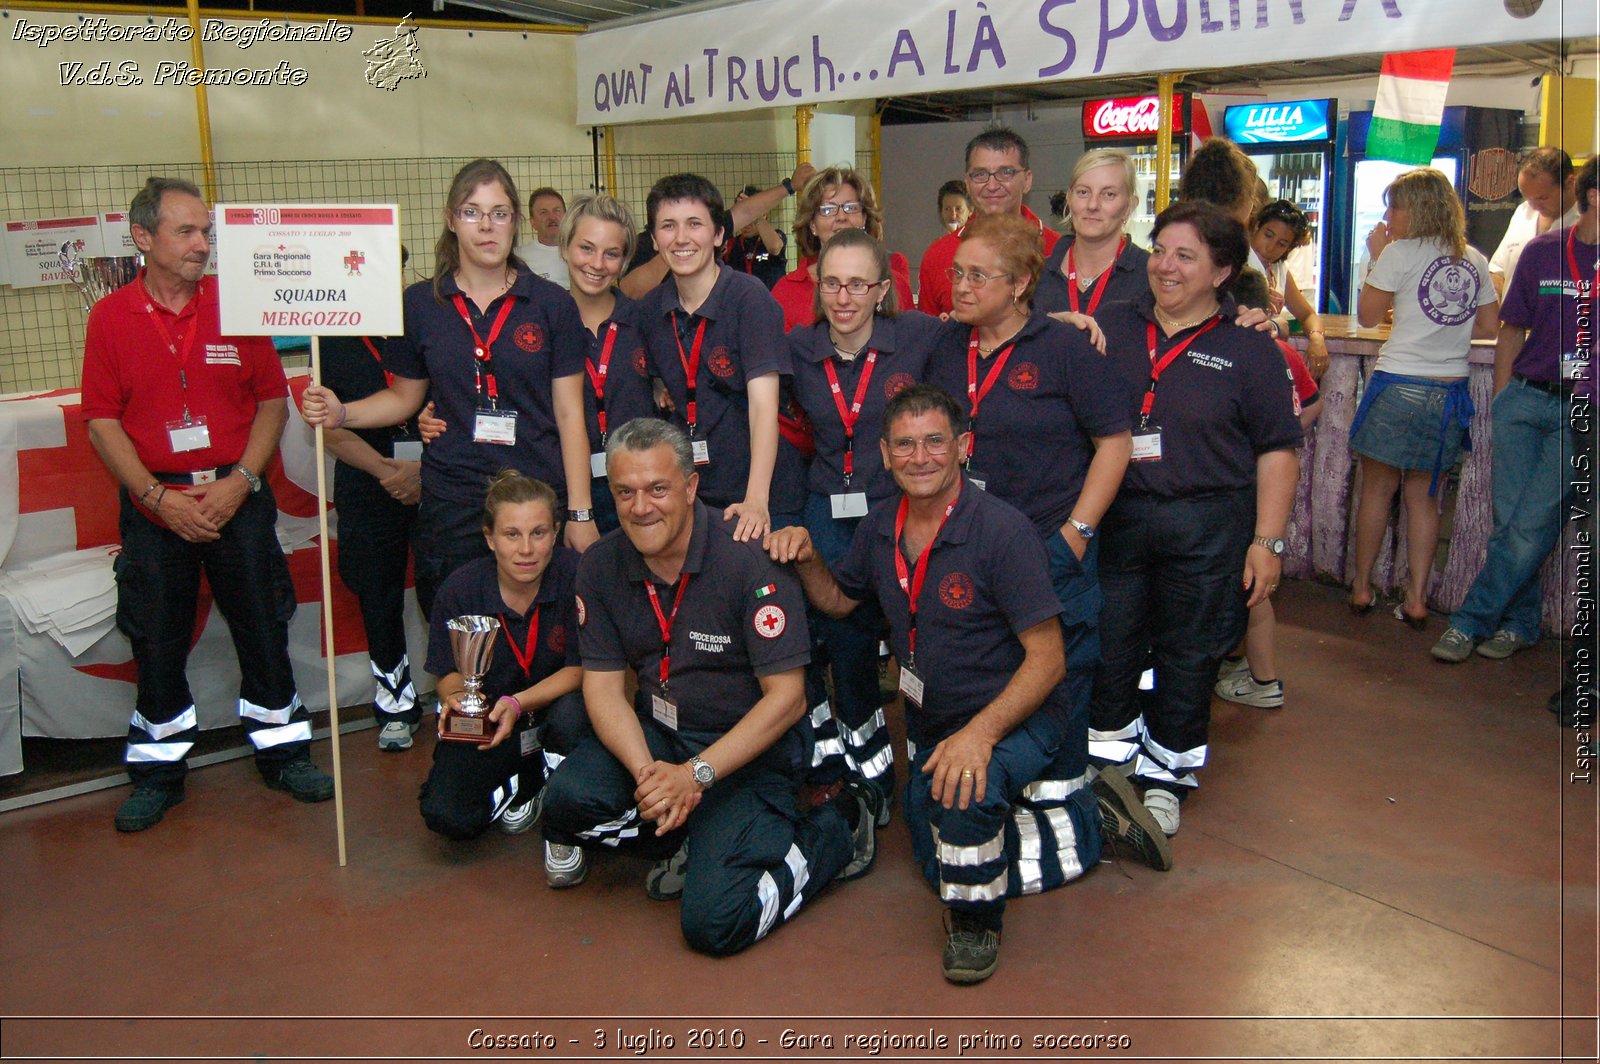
x=906, y=446
x=830, y=286
x=472, y=215
x=973, y=277
x=1005, y=175
x=828, y=210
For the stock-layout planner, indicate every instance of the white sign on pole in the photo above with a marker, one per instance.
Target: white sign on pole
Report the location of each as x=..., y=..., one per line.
x=115, y=236
x=298, y=269
x=33, y=248
x=730, y=59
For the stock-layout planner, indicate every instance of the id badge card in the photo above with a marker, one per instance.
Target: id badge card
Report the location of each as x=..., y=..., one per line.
x=701, y=450
x=664, y=709
x=495, y=426
x=597, y=465
x=188, y=435
x=911, y=684
x=408, y=451
x=977, y=479
x=1573, y=366
x=1147, y=445
x=529, y=740
x=848, y=504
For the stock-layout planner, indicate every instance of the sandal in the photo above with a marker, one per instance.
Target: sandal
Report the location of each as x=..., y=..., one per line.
x=1417, y=624
x=1361, y=609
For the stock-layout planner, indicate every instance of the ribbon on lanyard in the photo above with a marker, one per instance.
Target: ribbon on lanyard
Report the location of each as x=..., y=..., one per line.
x=853, y=414
x=1156, y=367
x=911, y=582
x=975, y=394
x=188, y=343
x=691, y=367
x=524, y=656
x=482, y=351
x=665, y=622
x=388, y=378
x=597, y=379
x=1099, y=286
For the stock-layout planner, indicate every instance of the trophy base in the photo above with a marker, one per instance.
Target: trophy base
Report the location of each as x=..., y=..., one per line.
x=458, y=728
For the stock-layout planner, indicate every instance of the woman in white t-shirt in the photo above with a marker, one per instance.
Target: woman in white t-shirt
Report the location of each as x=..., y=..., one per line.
x=1411, y=424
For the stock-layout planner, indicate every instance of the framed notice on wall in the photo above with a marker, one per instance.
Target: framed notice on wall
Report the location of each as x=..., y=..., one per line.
x=298, y=269
x=33, y=248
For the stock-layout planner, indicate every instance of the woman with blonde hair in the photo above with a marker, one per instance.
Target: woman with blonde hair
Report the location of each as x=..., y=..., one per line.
x=1095, y=262
x=839, y=197
x=1412, y=421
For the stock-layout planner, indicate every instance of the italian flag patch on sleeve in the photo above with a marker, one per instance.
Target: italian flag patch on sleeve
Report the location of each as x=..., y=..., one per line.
x=763, y=592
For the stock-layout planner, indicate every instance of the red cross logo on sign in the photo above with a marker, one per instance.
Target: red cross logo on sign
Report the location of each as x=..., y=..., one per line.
x=352, y=263
x=770, y=622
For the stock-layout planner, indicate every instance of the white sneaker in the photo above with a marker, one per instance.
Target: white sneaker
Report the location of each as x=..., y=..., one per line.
x=1242, y=687
x=1163, y=807
x=666, y=878
x=396, y=735
x=519, y=818
x=1232, y=666
x=564, y=866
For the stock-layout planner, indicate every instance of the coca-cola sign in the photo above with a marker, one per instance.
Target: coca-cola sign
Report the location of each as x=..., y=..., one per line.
x=1130, y=116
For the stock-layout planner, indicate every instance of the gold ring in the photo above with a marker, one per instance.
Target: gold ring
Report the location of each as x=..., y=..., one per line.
x=966, y=772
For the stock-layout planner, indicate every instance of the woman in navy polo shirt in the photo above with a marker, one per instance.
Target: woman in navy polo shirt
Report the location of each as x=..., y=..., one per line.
x=861, y=351
x=1096, y=263
x=1198, y=525
x=502, y=350
x=527, y=584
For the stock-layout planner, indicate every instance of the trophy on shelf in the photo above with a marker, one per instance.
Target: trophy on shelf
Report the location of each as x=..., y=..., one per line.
x=472, y=641
x=99, y=276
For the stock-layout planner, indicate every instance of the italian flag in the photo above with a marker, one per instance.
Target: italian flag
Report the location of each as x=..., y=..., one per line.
x=1410, y=106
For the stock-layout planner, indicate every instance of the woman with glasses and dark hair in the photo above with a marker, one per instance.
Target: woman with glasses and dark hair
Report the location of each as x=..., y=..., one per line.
x=862, y=351
x=502, y=351
x=1195, y=536
x=836, y=199
x=1277, y=229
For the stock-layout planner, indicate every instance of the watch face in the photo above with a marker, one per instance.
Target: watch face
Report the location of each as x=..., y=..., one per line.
x=704, y=773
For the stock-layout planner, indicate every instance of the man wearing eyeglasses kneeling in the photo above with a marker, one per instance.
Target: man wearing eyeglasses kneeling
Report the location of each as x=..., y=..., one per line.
x=965, y=584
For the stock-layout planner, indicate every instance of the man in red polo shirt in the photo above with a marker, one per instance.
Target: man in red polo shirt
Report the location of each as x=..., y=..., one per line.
x=998, y=180
x=187, y=420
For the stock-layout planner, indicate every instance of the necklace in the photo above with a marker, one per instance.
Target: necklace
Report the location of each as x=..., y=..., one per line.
x=1178, y=326
x=985, y=352
x=847, y=354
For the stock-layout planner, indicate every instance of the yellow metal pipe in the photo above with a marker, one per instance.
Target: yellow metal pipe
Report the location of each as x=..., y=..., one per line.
x=802, y=133
x=610, y=133
x=285, y=16
x=202, y=106
x=1164, y=86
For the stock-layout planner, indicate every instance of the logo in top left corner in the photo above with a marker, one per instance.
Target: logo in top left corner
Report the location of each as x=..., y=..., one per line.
x=392, y=60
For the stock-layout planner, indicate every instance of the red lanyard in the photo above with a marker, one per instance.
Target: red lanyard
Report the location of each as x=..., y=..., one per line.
x=665, y=621
x=1099, y=286
x=1156, y=367
x=691, y=367
x=483, y=350
x=188, y=342
x=388, y=378
x=597, y=379
x=852, y=415
x=911, y=583
x=975, y=394
x=1572, y=261
x=524, y=656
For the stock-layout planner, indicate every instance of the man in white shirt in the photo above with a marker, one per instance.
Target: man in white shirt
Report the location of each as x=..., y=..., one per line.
x=546, y=208
x=1546, y=182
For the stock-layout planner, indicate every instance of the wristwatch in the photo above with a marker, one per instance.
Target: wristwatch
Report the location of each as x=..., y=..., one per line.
x=250, y=478
x=704, y=774
x=1276, y=546
x=1086, y=531
x=580, y=515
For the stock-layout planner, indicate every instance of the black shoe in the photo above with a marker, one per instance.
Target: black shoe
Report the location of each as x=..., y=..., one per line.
x=971, y=951
x=863, y=801
x=145, y=807
x=304, y=781
x=1126, y=825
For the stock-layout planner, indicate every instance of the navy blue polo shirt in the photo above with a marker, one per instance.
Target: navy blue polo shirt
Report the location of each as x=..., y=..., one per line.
x=904, y=345
x=542, y=340
x=742, y=617
x=351, y=371
x=988, y=580
x=1221, y=404
x=787, y=493
x=1130, y=276
x=1035, y=426
x=627, y=387
x=743, y=340
x=475, y=589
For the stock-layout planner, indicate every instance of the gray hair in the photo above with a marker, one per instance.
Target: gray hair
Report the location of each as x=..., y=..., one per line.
x=648, y=433
x=145, y=211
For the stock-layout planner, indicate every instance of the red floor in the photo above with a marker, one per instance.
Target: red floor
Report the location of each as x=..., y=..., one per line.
x=1393, y=866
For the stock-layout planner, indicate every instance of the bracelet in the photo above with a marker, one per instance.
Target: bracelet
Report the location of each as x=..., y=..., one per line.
x=788, y=185
x=154, y=484
x=344, y=412
x=516, y=706
x=163, y=495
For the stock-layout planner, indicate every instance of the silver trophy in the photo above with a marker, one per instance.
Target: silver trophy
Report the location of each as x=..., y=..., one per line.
x=472, y=641
x=98, y=277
